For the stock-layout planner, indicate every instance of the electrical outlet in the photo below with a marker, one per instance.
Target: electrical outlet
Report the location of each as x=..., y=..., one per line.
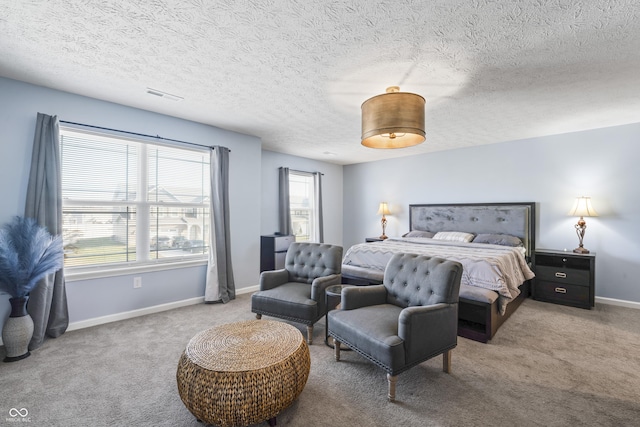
x=137, y=282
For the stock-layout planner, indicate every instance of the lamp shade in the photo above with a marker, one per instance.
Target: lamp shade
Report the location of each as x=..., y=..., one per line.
x=393, y=120
x=582, y=207
x=383, y=209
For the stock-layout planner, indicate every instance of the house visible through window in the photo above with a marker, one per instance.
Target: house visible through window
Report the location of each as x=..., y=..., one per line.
x=302, y=206
x=131, y=202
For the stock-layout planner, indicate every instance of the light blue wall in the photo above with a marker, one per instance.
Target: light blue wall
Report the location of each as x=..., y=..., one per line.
x=551, y=171
x=19, y=104
x=331, y=192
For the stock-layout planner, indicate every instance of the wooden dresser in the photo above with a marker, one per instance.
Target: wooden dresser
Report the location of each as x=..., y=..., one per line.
x=273, y=251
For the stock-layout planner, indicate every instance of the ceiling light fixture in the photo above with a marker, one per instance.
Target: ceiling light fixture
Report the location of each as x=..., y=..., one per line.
x=393, y=120
x=162, y=94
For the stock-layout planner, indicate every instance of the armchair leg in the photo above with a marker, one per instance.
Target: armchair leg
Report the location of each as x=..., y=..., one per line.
x=258, y=316
x=336, y=349
x=446, y=361
x=309, y=334
x=391, y=379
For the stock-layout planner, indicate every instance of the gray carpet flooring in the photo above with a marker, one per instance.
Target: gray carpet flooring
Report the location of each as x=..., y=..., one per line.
x=549, y=365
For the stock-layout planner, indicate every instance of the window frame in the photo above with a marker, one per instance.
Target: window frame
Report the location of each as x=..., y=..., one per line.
x=312, y=206
x=143, y=207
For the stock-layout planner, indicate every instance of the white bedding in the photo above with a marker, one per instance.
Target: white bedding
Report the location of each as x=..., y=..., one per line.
x=499, y=268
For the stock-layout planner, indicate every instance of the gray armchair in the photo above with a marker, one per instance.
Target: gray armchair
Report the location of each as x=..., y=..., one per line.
x=297, y=292
x=411, y=317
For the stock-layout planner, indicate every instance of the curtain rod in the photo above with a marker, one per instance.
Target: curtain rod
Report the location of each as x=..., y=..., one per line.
x=296, y=170
x=138, y=134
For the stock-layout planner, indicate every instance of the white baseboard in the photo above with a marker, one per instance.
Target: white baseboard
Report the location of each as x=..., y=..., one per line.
x=248, y=290
x=144, y=311
x=618, y=302
x=131, y=314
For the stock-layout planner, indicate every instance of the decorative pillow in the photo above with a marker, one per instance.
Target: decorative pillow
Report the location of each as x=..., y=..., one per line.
x=453, y=236
x=419, y=233
x=498, y=239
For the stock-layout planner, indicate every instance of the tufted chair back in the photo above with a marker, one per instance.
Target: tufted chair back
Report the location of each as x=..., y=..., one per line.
x=414, y=280
x=307, y=261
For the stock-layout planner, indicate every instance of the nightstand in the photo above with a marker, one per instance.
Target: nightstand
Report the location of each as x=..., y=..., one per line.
x=373, y=239
x=565, y=278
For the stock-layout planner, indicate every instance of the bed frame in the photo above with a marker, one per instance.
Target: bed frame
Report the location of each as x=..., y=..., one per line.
x=477, y=320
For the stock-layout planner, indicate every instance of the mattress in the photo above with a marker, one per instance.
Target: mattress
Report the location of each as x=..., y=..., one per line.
x=501, y=269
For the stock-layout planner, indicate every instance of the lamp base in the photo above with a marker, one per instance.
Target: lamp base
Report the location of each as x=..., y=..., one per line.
x=581, y=250
x=383, y=237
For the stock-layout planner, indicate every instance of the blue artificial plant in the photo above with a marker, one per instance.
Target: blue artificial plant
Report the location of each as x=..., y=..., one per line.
x=27, y=254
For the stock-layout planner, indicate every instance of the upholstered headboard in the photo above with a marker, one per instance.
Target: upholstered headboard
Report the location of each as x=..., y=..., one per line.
x=516, y=219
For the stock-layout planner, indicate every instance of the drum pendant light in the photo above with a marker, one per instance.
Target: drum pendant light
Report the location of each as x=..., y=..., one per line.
x=393, y=120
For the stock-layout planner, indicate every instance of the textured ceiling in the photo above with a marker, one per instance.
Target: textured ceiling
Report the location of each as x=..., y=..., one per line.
x=295, y=72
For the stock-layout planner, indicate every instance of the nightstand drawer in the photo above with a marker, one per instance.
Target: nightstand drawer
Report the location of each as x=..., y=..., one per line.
x=564, y=261
x=568, y=294
x=563, y=275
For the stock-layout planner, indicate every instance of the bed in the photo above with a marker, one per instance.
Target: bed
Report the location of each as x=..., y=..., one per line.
x=495, y=242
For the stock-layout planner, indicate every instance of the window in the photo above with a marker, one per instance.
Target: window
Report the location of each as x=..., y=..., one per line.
x=129, y=202
x=302, y=206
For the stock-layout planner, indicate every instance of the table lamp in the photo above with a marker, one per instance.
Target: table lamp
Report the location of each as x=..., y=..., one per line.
x=582, y=207
x=383, y=210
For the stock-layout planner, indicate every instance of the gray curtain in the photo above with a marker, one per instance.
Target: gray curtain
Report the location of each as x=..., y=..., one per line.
x=48, y=301
x=284, y=214
x=317, y=190
x=220, y=286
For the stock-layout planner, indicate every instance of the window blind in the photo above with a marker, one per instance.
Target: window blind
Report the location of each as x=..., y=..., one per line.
x=127, y=201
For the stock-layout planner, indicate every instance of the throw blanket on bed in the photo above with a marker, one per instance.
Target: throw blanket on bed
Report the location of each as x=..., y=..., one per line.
x=498, y=268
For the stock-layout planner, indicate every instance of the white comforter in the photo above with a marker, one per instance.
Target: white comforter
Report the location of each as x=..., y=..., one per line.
x=498, y=268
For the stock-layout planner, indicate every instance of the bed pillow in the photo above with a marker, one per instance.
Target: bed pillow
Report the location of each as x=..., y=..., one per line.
x=419, y=233
x=454, y=236
x=498, y=239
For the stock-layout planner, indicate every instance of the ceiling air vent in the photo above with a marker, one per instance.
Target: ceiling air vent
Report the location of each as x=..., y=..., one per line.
x=162, y=94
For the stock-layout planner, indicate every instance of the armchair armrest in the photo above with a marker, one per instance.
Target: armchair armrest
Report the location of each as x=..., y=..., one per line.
x=362, y=296
x=318, y=287
x=428, y=330
x=272, y=279
x=321, y=283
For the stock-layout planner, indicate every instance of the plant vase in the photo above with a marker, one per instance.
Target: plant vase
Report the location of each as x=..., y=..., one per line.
x=17, y=331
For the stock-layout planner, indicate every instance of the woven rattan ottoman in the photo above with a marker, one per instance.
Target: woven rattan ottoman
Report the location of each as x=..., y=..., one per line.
x=243, y=373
